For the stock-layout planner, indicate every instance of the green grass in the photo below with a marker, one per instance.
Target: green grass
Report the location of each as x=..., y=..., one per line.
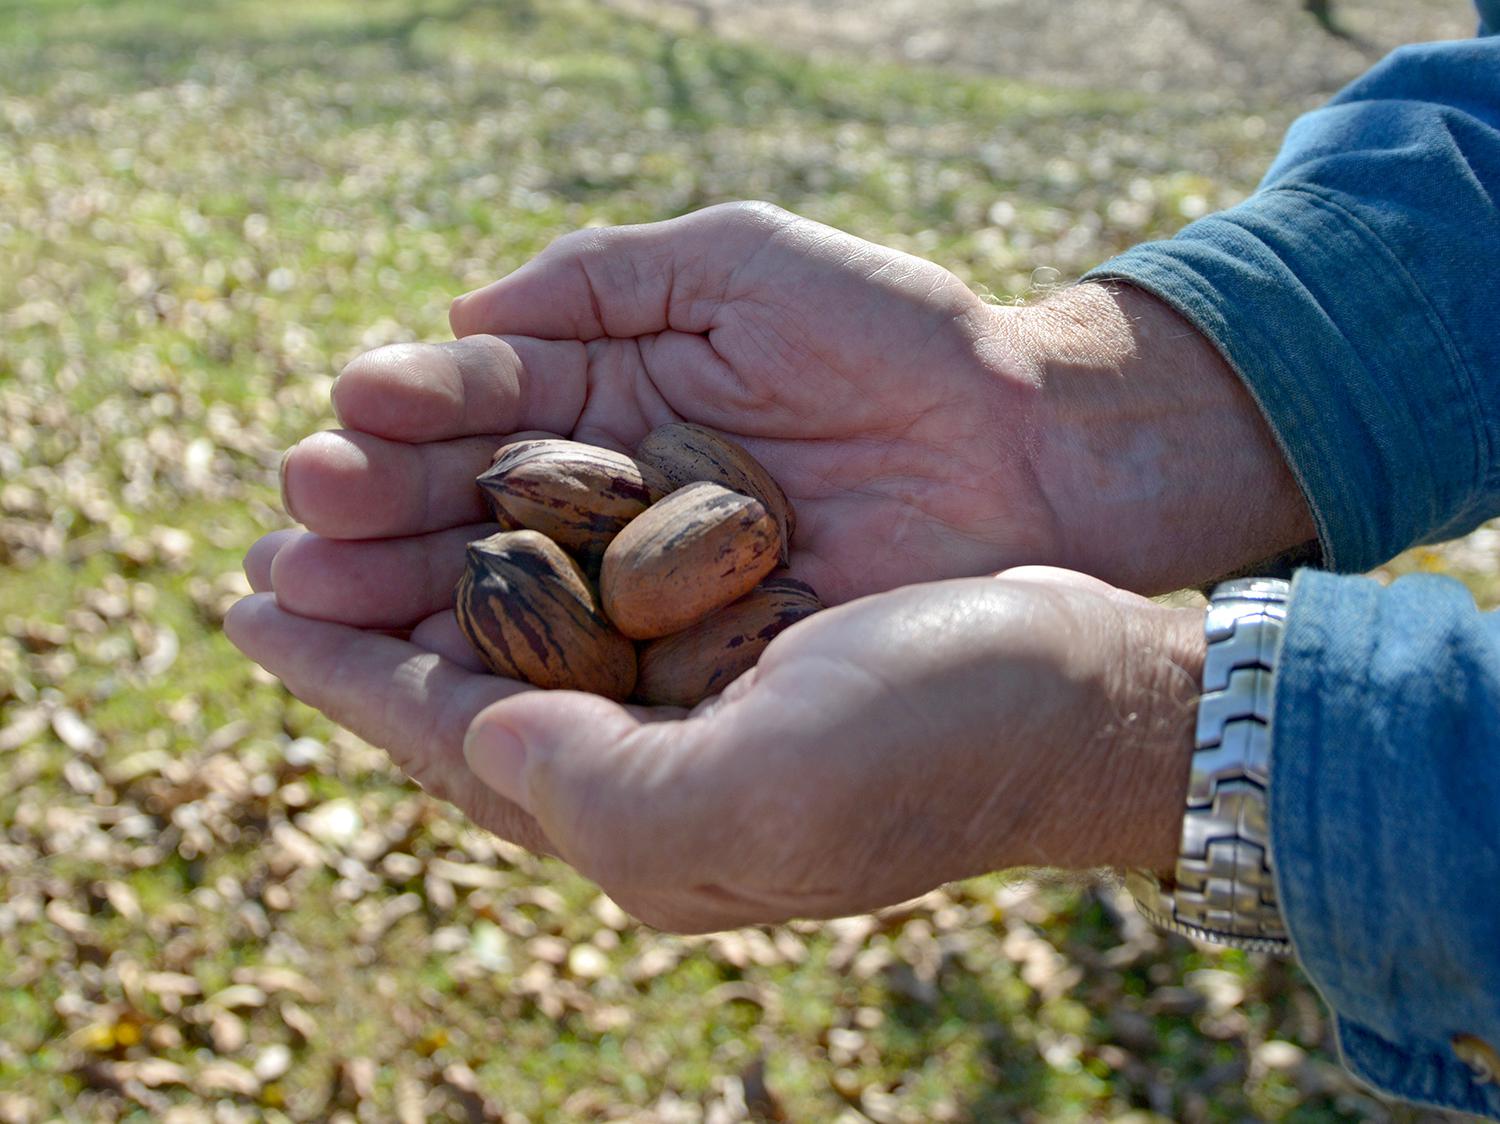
x=205, y=208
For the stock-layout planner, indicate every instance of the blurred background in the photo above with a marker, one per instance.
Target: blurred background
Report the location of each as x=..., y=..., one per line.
x=216, y=907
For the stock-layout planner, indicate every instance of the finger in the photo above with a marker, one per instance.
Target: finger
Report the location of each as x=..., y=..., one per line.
x=413, y=704
x=440, y=633
x=572, y=749
x=346, y=484
x=460, y=388
x=679, y=821
x=383, y=583
x=262, y=554
x=634, y=798
x=623, y=281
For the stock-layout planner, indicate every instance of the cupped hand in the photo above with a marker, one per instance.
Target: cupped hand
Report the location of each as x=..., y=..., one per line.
x=881, y=393
x=877, y=750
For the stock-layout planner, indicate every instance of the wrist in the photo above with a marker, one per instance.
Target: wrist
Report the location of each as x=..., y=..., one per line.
x=1160, y=675
x=1222, y=885
x=1112, y=721
x=1158, y=465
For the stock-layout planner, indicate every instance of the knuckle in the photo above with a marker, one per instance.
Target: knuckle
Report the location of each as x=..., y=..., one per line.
x=574, y=244
x=755, y=213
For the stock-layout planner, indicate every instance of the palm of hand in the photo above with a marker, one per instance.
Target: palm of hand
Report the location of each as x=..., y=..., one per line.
x=876, y=387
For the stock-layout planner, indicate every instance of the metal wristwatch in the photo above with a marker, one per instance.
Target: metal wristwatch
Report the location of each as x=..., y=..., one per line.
x=1223, y=889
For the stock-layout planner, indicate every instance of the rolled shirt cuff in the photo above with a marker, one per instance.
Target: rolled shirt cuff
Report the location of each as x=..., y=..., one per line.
x=1314, y=312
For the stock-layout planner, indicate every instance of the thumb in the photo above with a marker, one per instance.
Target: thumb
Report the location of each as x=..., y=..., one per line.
x=646, y=805
x=592, y=770
x=517, y=750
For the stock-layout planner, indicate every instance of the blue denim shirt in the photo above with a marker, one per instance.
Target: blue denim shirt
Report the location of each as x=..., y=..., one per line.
x=1357, y=293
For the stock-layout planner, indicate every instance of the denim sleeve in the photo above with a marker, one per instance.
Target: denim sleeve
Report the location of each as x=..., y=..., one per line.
x=1385, y=826
x=1355, y=293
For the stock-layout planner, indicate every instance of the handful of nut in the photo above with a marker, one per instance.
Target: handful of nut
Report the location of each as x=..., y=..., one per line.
x=650, y=577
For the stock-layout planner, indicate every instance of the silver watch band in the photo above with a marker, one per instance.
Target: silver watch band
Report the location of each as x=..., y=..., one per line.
x=1224, y=890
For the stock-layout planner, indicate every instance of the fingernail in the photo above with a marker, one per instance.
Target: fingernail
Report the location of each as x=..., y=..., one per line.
x=286, y=495
x=333, y=400
x=497, y=757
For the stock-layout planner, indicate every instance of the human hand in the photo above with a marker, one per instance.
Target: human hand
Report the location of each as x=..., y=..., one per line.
x=877, y=750
x=921, y=432
x=876, y=387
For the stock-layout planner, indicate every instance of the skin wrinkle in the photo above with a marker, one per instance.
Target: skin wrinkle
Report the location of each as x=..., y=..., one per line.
x=596, y=310
x=805, y=565
x=455, y=384
x=816, y=238
x=777, y=818
x=748, y=337
x=413, y=677
x=668, y=301
x=426, y=480
x=412, y=373
x=995, y=342
x=882, y=267
x=460, y=398
x=791, y=357
x=646, y=388
x=327, y=567
x=639, y=289
x=608, y=365
x=956, y=319
x=700, y=305
x=889, y=531
x=886, y=486
x=911, y=515
x=775, y=226
x=1100, y=396
x=710, y=907
x=1039, y=615
x=710, y=733
x=647, y=348
x=395, y=479
x=607, y=836
x=563, y=397
x=1163, y=721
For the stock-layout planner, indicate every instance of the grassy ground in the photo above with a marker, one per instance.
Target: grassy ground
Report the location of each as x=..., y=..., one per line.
x=213, y=906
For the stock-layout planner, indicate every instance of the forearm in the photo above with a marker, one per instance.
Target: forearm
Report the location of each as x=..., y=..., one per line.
x=1159, y=467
